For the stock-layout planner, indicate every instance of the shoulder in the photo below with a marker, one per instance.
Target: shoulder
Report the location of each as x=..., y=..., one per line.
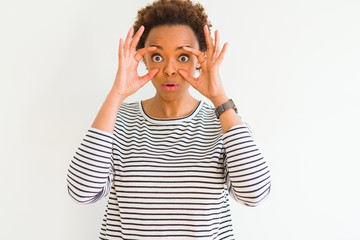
x=129, y=104
x=208, y=105
x=129, y=108
x=207, y=112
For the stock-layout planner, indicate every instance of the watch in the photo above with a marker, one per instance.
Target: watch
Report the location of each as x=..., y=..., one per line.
x=225, y=106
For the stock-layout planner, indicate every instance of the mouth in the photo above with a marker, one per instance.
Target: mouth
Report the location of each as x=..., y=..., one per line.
x=170, y=86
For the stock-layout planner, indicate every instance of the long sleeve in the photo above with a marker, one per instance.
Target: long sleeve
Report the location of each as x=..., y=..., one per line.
x=90, y=173
x=246, y=172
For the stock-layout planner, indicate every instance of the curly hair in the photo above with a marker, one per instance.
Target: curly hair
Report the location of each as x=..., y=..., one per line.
x=172, y=12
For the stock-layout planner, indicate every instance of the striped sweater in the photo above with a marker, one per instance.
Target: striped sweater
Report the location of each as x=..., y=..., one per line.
x=168, y=178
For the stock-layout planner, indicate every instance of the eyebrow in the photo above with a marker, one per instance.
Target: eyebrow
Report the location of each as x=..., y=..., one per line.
x=178, y=48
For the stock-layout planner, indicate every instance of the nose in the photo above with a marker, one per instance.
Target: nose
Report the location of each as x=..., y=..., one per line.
x=169, y=69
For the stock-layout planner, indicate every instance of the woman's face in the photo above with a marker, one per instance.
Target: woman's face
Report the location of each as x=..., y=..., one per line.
x=169, y=57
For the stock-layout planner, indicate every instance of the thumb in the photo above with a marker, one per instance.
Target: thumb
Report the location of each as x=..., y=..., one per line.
x=147, y=77
x=190, y=79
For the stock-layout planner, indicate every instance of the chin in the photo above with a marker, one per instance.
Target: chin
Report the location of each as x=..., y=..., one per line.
x=172, y=96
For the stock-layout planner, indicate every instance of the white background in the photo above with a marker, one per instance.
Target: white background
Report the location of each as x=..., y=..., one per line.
x=292, y=68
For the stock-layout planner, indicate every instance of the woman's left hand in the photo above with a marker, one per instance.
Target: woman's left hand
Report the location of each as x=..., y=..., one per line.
x=208, y=83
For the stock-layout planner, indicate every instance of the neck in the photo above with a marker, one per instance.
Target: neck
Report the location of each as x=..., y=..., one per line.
x=158, y=107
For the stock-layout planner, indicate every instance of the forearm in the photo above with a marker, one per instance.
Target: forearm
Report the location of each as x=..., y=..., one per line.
x=229, y=118
x=106, y=117
x=90, y=171
x=248, y=176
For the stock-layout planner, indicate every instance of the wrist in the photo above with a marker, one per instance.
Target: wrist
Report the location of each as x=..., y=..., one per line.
x=224, y=107
x=114, y=96
x=217, y=101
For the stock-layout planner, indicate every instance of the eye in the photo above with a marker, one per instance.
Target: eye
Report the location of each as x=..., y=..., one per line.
x=156, y=58
x=184, y=58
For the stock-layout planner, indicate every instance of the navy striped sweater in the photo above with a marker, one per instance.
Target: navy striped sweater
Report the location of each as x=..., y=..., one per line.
x=168, y=178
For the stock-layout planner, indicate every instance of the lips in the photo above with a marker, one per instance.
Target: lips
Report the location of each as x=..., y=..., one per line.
x=170, y=85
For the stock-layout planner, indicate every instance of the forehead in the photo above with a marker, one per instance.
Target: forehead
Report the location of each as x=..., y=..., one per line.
x=172, y=36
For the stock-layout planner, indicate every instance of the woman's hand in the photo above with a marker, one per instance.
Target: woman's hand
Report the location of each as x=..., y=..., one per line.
x=208, y=83
x=127, y=80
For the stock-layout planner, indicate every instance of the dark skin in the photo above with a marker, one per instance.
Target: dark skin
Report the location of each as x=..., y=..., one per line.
x=171, y=53
x=169, y=57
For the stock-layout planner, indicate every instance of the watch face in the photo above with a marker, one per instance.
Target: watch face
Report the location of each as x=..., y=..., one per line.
x=223, y=107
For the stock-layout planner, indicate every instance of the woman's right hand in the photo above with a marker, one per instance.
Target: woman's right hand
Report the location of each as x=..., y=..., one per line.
x=127, y=80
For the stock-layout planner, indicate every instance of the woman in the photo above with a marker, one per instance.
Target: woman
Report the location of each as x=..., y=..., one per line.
x=169, y=162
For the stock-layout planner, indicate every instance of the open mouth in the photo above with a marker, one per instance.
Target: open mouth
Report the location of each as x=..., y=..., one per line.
x=170, y=83
x=170, y=86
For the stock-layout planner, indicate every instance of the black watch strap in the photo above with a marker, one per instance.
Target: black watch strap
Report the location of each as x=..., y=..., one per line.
x=225, y=106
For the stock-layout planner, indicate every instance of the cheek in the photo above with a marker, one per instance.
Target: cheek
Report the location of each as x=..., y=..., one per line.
x=192, y=65
x=146, y=60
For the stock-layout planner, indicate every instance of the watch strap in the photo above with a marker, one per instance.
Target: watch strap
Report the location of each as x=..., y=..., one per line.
x=225, y=106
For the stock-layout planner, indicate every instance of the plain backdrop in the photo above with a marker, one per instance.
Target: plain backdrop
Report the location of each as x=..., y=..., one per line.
x=292, y=68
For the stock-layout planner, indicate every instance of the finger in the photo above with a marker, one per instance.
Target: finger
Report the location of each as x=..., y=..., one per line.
x=209, y=41
x=217, y=43
x=121, y=49
x=190, y=79
x=136, y=38
x=147, y=77
x=199, y=55
x=222, y=54
x=141, y=52
x=128, y=39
